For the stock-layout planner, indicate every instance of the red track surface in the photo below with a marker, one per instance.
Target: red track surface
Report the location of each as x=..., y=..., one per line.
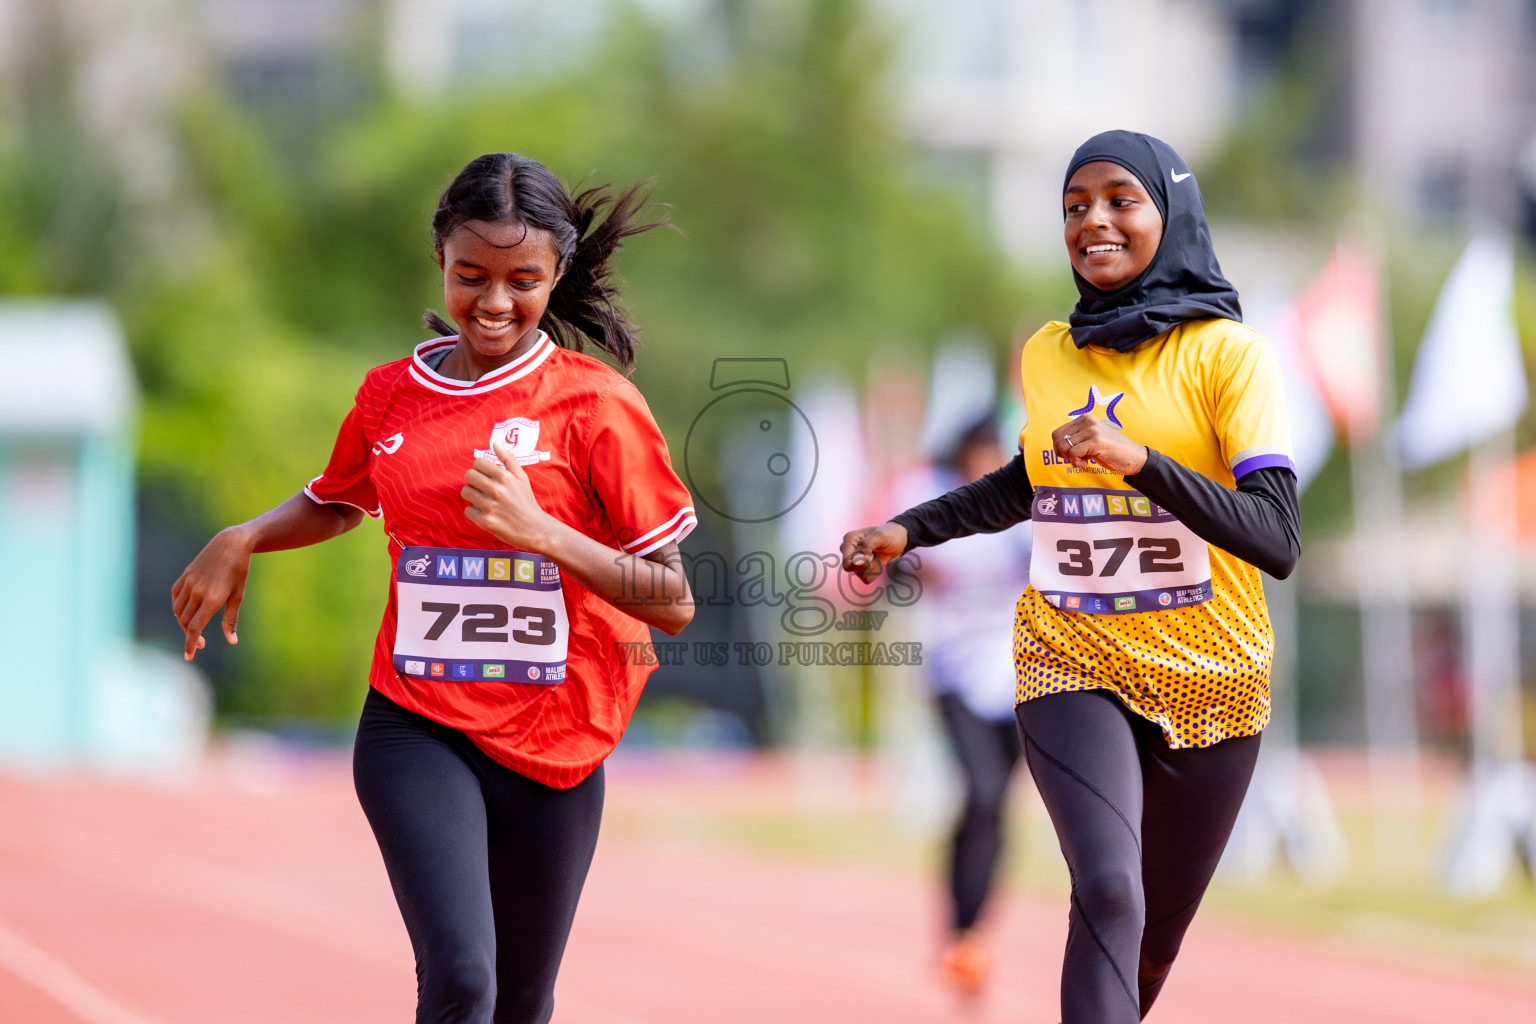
x=261, y=898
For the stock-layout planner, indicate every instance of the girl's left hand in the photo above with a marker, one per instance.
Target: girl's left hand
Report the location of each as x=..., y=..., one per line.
x=501, y=502
x=1087, y=440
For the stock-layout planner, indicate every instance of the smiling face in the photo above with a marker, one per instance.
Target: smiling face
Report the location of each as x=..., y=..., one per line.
x=497, y=279
x=1113, y=227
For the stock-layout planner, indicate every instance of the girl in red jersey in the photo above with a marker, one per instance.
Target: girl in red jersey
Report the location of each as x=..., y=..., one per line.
x=528, y=497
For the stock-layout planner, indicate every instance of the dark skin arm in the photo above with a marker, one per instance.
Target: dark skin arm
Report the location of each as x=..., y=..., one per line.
x=652, y=588
x=216, y=578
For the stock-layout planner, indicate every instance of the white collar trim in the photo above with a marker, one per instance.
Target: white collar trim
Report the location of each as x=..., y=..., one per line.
x=517, y=368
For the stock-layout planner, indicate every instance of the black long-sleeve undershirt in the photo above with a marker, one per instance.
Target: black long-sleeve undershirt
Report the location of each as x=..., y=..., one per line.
x=1260, y=522
x=989, y=504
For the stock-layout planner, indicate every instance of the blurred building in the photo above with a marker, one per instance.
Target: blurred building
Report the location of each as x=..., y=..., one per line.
x=77, y=691
x=1435, y=107
x=996, y=93
x=430, y=44
x=1445, y=109
x=290, y=56
x=1000, y=92
x=117, y=71
x=111, y=69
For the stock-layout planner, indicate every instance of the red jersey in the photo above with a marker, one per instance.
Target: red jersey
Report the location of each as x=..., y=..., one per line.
x=596, y=461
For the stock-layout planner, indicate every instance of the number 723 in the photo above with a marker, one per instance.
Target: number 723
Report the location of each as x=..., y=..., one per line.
x=482, y=623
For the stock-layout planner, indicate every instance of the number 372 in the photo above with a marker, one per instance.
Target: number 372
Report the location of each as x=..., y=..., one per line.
x=1158, y=554
x=482, y=622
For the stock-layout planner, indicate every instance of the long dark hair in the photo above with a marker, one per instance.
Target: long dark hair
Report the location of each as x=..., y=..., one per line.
x=508, y=188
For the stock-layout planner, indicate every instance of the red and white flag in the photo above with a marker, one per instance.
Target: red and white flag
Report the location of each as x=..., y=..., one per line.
x=1339, y=332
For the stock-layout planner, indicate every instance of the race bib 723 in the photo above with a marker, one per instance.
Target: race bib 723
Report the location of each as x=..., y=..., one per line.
x=479, y=616
x=1112, y=551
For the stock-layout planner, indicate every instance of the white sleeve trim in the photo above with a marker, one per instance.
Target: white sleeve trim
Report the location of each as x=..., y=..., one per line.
x=1258, y=450
x=676, y=528
x=377, y=513
x=645, y=538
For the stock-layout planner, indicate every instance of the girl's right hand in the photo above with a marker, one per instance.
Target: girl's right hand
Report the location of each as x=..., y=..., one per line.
x=867, y=551
x=215, y=578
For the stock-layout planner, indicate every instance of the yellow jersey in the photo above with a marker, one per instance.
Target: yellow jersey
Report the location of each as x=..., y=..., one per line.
x=1123, y=596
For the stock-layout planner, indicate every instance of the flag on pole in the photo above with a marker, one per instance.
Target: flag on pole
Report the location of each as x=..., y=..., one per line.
x=1339, y=328
x=1287, y=812
x=1469, y=380
x=1468, y=391
x=1339, y=333
x=1273, y=314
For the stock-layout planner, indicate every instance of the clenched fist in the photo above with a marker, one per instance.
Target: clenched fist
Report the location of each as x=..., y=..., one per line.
x=1089, y=440
x=501, y=502
x=867, y=551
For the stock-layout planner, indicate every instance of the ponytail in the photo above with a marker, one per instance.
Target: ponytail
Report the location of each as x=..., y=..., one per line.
x=435, y=322
x=584, y=305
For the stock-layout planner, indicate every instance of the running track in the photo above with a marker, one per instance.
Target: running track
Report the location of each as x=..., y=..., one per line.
x=256, y=895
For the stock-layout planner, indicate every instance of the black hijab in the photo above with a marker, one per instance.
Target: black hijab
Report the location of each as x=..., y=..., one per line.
x=1183, y=281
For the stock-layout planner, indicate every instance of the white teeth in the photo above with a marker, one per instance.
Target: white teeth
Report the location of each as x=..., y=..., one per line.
x=491, y=325
x=1093, y=249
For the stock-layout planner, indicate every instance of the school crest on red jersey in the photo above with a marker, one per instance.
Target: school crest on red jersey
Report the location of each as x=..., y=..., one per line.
x=519, y=434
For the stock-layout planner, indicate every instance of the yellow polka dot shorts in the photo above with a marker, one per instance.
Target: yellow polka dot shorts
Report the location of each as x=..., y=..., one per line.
x=1201, y=673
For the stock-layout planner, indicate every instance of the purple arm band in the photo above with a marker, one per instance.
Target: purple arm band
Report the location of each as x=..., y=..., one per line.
x=1247, y=466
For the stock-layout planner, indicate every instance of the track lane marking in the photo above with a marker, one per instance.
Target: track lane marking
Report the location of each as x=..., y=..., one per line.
x=66, y=985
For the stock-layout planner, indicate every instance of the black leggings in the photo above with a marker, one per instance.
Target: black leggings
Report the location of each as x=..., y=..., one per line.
x=1142, y=828
x=988, y=752
x=486, y=865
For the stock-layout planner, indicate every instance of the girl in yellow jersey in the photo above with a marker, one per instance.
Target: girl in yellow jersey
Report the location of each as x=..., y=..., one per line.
x=1156, y=468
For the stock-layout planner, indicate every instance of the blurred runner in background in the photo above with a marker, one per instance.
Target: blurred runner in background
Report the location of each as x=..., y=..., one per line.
x=965, y=623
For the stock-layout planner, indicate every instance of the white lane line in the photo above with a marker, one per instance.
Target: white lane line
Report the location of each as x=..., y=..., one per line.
x=65, y=984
